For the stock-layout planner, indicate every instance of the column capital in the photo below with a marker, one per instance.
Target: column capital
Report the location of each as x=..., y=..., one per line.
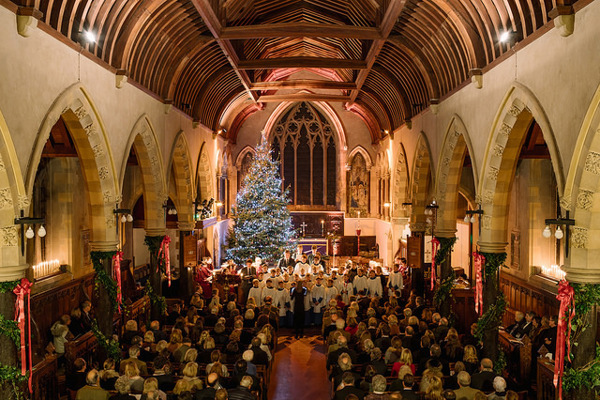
x=12, y=273
x=492, y=247
x=582, y=275
x=186, y=225
x=445, y=233
x=156, y=231
x=109, y=245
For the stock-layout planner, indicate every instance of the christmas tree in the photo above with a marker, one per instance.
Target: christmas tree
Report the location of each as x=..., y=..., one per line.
x=263, y=225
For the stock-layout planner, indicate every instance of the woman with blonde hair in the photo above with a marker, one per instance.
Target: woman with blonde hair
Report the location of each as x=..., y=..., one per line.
x=393, y=323
x=190, y=374
x=133, y=373
x=108, y=375
x=470, y=359
x=406, y=358
x=434, y=389
x=151, y=385
x=182, y=386
x=175, y=341
x=393, y=353
x=190, y=355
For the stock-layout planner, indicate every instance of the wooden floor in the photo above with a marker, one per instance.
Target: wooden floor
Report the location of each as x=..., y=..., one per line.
x=299, y=371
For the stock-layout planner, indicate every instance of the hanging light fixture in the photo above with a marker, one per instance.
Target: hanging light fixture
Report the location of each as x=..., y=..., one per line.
x=42, y=231
x=547, y=233
x=129, y=218
x=559, y=233
x=467, y=219
x=30, y=233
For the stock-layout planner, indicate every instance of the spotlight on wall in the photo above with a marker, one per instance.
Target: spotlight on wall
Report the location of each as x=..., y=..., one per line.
x=505, y=36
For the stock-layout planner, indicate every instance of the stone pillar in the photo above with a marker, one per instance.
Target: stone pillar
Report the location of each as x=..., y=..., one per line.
x=186, y=280
x=153, y=240
x=445, y=268
x=104, y=309
x=8, y=349
x=490, y=295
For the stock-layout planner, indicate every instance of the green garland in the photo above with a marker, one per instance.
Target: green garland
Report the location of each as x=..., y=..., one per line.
x=153, y=243
x=10, y=328
x=8, y=286
x=586, y=296
x=102, y=277
x=493, y=261
x=109, y=344
x=156, y=300
x=490, y=320
x=444, y=291
x=446, y=245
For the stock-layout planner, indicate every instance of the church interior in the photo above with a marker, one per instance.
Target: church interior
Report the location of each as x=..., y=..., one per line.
x=458, y=141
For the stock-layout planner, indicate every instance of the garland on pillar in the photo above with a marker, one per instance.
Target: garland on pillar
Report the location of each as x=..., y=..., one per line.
x=444, y=291
x=159, y=301
x=491, y=318
x=154, y=246
x=102, y=277
x=586, y=297
x=110, y=345
x=10, y=328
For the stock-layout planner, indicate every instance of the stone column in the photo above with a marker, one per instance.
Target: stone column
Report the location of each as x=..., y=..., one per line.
x=104, y=309
x=445, y=268
x=155, y=237
x=186, y=280
x=490, y=296
x=8, y=349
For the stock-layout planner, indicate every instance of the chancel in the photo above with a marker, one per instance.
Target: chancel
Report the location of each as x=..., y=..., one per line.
x=252, y=199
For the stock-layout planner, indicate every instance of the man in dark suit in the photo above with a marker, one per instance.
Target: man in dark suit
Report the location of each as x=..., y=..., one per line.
x=162, y=373
x=550, y=335
x=248, y=274
x=260, y=356
x=347, y=387
x=86, y=316
x=484, y=380
x=313, y=253
x=405, y=387
x=515, y=329
x=286, y=262
x=384, y=341
x=529, y=315
x=208, y=393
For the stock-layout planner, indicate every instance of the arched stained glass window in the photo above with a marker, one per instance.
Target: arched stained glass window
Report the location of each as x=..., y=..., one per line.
x=304, y=140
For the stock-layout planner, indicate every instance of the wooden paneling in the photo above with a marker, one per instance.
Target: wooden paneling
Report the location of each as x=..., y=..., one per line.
x=545, y=380
x=45, y=380
x=47, y=307
x=464, y=307
x=523, y=296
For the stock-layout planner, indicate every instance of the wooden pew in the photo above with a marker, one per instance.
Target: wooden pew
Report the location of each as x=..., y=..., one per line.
x=45, y=380
x=84, y=347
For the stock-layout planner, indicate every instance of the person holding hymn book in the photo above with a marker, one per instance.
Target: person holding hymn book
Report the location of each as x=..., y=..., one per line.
x=317, y=294
x=374, y=288
x=248, y=273
x=286, y=261
x=281, y=300
x=302, y=267
x=255, y=293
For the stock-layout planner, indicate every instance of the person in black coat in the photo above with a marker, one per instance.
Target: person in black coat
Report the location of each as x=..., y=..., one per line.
x=242, y=392
x=260, y=356
x=298, y=294
x=286, y=261
x=484, y=380
x=405, y=386
x=77, y=379
x=162, y=373
x=347, y=388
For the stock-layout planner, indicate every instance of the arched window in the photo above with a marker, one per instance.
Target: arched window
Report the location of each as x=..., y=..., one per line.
x=303, y=140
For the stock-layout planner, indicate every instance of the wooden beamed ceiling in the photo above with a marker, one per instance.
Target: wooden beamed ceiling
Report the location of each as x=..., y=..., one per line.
x=384, y=59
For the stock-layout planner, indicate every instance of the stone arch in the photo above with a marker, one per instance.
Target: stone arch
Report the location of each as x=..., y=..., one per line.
x=582, y=197
x=364, y=153
x=204, y=175
x=143, y=140
x=401, y=192
x=457, y=144
x=509, y=129
x=87, y=130
x=13, y=198
x=240, y=157
x=422, y=182
x=181, y=163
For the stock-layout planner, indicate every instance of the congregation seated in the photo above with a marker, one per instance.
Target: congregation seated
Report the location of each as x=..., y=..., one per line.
x=92, y=390
x=134, y=352
x=77, y=379
x=108, y=375
x=346, y=388
x=123, y=387
x=483, y=380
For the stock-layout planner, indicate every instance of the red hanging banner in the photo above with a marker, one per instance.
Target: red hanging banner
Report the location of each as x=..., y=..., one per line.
x=435, y=246
x=164, y=251
x=117, y=258
x=22, y=289
x=566, y=296
x=479, y=262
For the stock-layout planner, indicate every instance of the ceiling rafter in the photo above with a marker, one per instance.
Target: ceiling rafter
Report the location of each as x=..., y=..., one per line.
x=387, y=24
x=302, y=62
x=300, y=29
x=214, y=25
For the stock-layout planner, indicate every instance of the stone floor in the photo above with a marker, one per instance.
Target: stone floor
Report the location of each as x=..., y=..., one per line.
x=299, y=370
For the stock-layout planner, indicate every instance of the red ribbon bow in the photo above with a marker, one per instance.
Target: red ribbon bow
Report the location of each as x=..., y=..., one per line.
x=22, y=289
x=566, y=296
x=435, y=244
x=117, y=258
x=478, y=261
x=164, y=251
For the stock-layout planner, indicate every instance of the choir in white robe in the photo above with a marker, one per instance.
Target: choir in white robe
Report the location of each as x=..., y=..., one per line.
x=317, y=295
x=347, y=290
x=301, y=266
x=374, y=287
x=269, y=291
x=360, y=283
x=395, y=281
x=256, y=294
x=330, y=293
x=281, y=300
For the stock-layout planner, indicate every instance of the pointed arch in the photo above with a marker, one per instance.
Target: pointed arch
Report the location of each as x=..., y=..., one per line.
x=364, y=153
x=401, y=192
x=144, y=142
x=204, y=176
x=181, y=165
x=13, y=198
x=240, y=157
x=456, y=146
x=582, y=197
x=509, y=129
x=87, y=130
x=422, y=182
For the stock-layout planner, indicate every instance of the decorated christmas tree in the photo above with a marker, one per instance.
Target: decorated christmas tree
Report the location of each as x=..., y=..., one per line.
x=263, y=225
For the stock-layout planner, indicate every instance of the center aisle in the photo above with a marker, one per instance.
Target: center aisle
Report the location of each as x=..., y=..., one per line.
x=299, y=371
